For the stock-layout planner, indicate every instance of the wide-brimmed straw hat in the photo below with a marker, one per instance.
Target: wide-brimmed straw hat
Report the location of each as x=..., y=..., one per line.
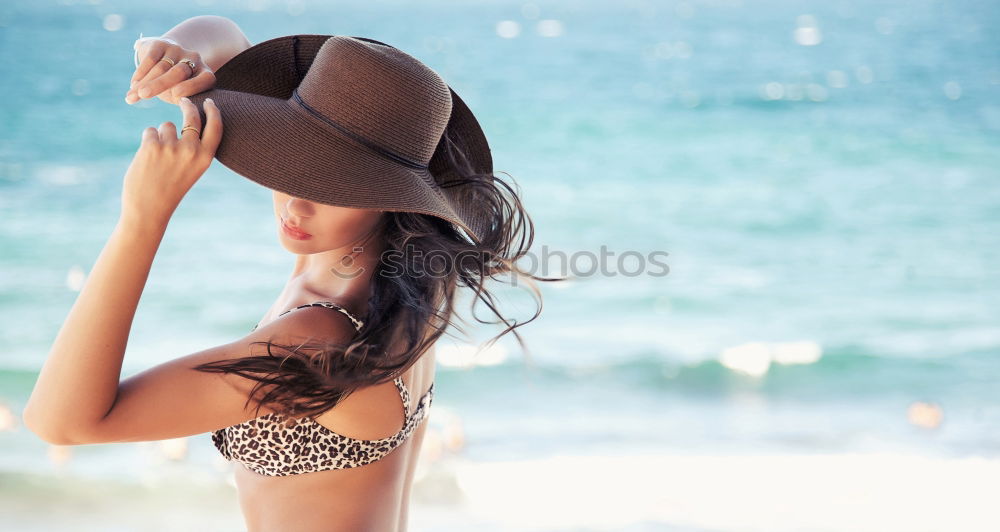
x=351, y=122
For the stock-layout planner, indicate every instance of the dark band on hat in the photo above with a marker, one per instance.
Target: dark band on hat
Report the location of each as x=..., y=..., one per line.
x=369, y=144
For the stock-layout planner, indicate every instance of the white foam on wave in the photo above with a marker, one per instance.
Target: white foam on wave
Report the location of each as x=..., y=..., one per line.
x=452, y=354
x=755, y=358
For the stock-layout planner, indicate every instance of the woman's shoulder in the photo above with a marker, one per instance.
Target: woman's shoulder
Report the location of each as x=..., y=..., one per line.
x=306, y=323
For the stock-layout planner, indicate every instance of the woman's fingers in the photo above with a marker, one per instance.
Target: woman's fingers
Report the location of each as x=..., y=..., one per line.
x=155, y=75
x=168, y=132
x=150, y=135
x=191, y=118
x=153, y=53
x=211, y=135
x=173, y=76
x=204, y=80
x=156, y=71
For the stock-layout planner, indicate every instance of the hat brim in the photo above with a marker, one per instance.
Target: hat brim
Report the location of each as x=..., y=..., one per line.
x=271, y=142
x=269, y=139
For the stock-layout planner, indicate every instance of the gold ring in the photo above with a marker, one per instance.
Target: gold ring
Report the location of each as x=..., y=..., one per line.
x=167, y=59
x=189, y=63
x=196, y=130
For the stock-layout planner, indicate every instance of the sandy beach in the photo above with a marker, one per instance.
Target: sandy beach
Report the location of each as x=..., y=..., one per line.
x=875, y=492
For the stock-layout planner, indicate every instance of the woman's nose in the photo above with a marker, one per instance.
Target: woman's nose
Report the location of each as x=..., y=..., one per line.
x=299, y=207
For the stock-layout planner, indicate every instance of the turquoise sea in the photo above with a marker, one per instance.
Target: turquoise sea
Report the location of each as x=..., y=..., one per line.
x=822, y=178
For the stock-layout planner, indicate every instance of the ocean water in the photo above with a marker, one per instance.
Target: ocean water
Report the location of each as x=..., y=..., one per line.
x=819, y=179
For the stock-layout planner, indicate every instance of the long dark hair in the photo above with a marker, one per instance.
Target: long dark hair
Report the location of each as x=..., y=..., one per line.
x=412, y=302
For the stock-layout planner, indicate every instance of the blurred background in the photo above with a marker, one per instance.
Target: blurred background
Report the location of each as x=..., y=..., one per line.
x=822, y=178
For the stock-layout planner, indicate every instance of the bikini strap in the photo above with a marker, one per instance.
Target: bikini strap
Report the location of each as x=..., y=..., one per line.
x=358, y=324
x=405, y=394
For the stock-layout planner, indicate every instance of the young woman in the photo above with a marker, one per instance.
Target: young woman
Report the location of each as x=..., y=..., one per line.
x=383, y=191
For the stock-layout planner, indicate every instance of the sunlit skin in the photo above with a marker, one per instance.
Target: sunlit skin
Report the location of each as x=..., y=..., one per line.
x=338, y=258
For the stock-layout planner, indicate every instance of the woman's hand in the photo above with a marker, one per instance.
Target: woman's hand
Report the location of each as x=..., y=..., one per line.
x=165, y=168
x=155, y=76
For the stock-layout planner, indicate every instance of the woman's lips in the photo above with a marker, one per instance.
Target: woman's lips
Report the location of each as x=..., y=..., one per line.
x=297, y=234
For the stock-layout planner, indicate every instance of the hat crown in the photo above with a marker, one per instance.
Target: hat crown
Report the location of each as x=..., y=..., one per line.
x=379, y=93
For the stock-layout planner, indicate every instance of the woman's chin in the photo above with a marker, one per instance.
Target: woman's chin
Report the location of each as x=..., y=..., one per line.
x=299, y=247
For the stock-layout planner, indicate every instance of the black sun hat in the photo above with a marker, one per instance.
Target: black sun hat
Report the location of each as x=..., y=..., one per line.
x=351, y=122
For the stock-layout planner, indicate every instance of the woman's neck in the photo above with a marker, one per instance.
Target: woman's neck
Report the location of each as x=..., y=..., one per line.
x=343, y=276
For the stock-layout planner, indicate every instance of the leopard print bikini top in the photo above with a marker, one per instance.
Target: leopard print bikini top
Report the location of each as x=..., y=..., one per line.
x=268, y=446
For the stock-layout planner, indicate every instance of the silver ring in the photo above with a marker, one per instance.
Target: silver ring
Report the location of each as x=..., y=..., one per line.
x=190, y=63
